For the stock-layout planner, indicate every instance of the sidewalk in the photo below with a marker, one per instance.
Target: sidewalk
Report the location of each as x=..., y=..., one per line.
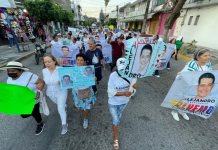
x=11, y=54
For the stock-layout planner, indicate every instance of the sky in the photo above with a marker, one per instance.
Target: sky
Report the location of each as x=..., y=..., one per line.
x=92, y=8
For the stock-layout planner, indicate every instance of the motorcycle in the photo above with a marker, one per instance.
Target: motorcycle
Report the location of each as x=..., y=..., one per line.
x=40, y=50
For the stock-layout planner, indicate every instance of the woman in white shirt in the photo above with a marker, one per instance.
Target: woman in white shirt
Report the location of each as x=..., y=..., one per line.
x=200, y=62
x=53, y=90
x=118, y=93
x=19, y=75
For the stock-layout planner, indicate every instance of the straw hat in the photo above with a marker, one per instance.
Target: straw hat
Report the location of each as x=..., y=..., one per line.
x=14, y=65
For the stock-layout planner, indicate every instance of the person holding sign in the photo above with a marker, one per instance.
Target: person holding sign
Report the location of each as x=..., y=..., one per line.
x=84, y=97
x=19, y=75
x=53, y=90
x=200, y=62
x=118, y=97
x=95, y=57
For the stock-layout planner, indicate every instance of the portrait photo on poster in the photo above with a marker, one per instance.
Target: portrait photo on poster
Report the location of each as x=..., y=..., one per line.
x=66, y=81
x=199, y=95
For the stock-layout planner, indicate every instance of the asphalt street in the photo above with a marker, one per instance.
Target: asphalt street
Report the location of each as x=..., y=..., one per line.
x=144, y=125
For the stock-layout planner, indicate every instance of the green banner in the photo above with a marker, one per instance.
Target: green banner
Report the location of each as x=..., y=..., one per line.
x=16, y=99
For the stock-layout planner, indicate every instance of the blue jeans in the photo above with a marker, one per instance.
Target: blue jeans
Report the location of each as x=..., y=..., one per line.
x=116, y=112
x=11, y=43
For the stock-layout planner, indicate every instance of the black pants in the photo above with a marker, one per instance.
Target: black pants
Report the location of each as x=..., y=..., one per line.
x=168, y=64
x=36, y=114
x=156, y=72
x=98, y=75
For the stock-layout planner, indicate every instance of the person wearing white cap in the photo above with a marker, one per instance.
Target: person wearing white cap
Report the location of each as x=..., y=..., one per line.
x=19, y=75
x=119, y=95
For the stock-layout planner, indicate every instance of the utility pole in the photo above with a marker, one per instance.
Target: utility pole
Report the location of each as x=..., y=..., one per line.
x=144, y=25
x=117, y=16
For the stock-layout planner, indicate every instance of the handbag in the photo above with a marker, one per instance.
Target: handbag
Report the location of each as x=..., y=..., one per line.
x=43, y=105
x=84, y=93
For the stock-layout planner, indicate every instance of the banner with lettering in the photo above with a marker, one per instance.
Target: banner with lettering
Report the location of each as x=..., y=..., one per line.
x=142, y=57
x=165, y=56
x=76, y=77
x=194, y=92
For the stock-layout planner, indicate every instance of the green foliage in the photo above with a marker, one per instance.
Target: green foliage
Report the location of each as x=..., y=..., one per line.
x=111, y=21
x=89, y=21
x=45, y=10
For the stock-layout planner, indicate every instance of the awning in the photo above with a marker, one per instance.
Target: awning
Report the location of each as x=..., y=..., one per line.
x=8, y=4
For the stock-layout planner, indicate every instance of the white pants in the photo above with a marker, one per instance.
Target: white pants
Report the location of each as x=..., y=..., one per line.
x=60, y=99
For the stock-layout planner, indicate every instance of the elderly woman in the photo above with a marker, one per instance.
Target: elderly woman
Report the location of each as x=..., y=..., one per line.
x=19, y=75
x=200, y=62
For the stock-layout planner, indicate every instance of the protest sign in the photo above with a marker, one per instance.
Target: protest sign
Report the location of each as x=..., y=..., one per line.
x=16, y=99
x=56, y=50
x=77, y=77
x=107, y=52
x=194, y=92
x=165, y=56
x=142, y=57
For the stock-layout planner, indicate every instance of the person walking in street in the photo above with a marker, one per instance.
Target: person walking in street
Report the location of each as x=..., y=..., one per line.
x=84, y=97
x=53, y=90
x=172, y=41
x=179, y=43
x=200, y=62
x=19, y=75
x=95, y=57
x=117, y=50
x=119, y=95
x=10, y=36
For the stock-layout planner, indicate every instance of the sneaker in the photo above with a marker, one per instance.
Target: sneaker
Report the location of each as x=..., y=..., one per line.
x=9, y=47
x=168, y=68
x=158, y=76
x=85, y=123
x=64, y=129
x=39, y=128
x=175, y=115
x=96, y=92
x=184, y=115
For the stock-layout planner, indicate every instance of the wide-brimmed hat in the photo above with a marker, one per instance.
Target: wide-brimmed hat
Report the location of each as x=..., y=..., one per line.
x=14, y=65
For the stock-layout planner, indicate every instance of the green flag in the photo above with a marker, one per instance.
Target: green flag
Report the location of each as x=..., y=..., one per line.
x=16, y=99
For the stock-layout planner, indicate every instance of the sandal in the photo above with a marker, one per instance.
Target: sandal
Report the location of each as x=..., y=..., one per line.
x=116, y=145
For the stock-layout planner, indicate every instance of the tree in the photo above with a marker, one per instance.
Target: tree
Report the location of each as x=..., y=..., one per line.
x=111, y=21
x=106, y=2
x=177, y=6
x=101, y=17
x=46, y=10
x=144, y=25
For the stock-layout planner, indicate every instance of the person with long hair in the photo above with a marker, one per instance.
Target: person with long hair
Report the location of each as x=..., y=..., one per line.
x=53, y=89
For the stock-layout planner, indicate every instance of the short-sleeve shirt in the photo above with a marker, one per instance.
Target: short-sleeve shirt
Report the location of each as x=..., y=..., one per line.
x=117, y=84
x=94, y=57
x=117, y=50
x=24, y=79
x=193, y=66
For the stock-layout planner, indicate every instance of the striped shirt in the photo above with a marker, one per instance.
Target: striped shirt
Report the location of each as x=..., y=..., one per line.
x=194, y=66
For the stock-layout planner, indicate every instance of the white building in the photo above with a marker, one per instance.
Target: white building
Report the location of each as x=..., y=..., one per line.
x=199, y=21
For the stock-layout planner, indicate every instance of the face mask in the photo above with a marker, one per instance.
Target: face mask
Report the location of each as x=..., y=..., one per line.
x=13, y=75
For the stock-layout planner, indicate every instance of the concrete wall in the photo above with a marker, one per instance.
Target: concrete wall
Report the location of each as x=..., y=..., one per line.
x=206, y=31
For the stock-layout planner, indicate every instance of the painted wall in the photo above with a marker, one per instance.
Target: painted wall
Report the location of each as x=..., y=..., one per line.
x=206, y=31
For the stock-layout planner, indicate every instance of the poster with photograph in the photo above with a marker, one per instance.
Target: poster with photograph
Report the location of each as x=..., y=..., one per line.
x=107, y=52
x=76, y=77
x=194, y=92
x=142, y=57
x=165, y=56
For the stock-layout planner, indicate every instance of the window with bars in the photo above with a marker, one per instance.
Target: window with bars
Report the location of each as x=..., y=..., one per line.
x=196, y=19
x=190, y=20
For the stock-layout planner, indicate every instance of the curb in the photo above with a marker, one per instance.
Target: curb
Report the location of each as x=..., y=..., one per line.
x=184, y=57
x=21, y=58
